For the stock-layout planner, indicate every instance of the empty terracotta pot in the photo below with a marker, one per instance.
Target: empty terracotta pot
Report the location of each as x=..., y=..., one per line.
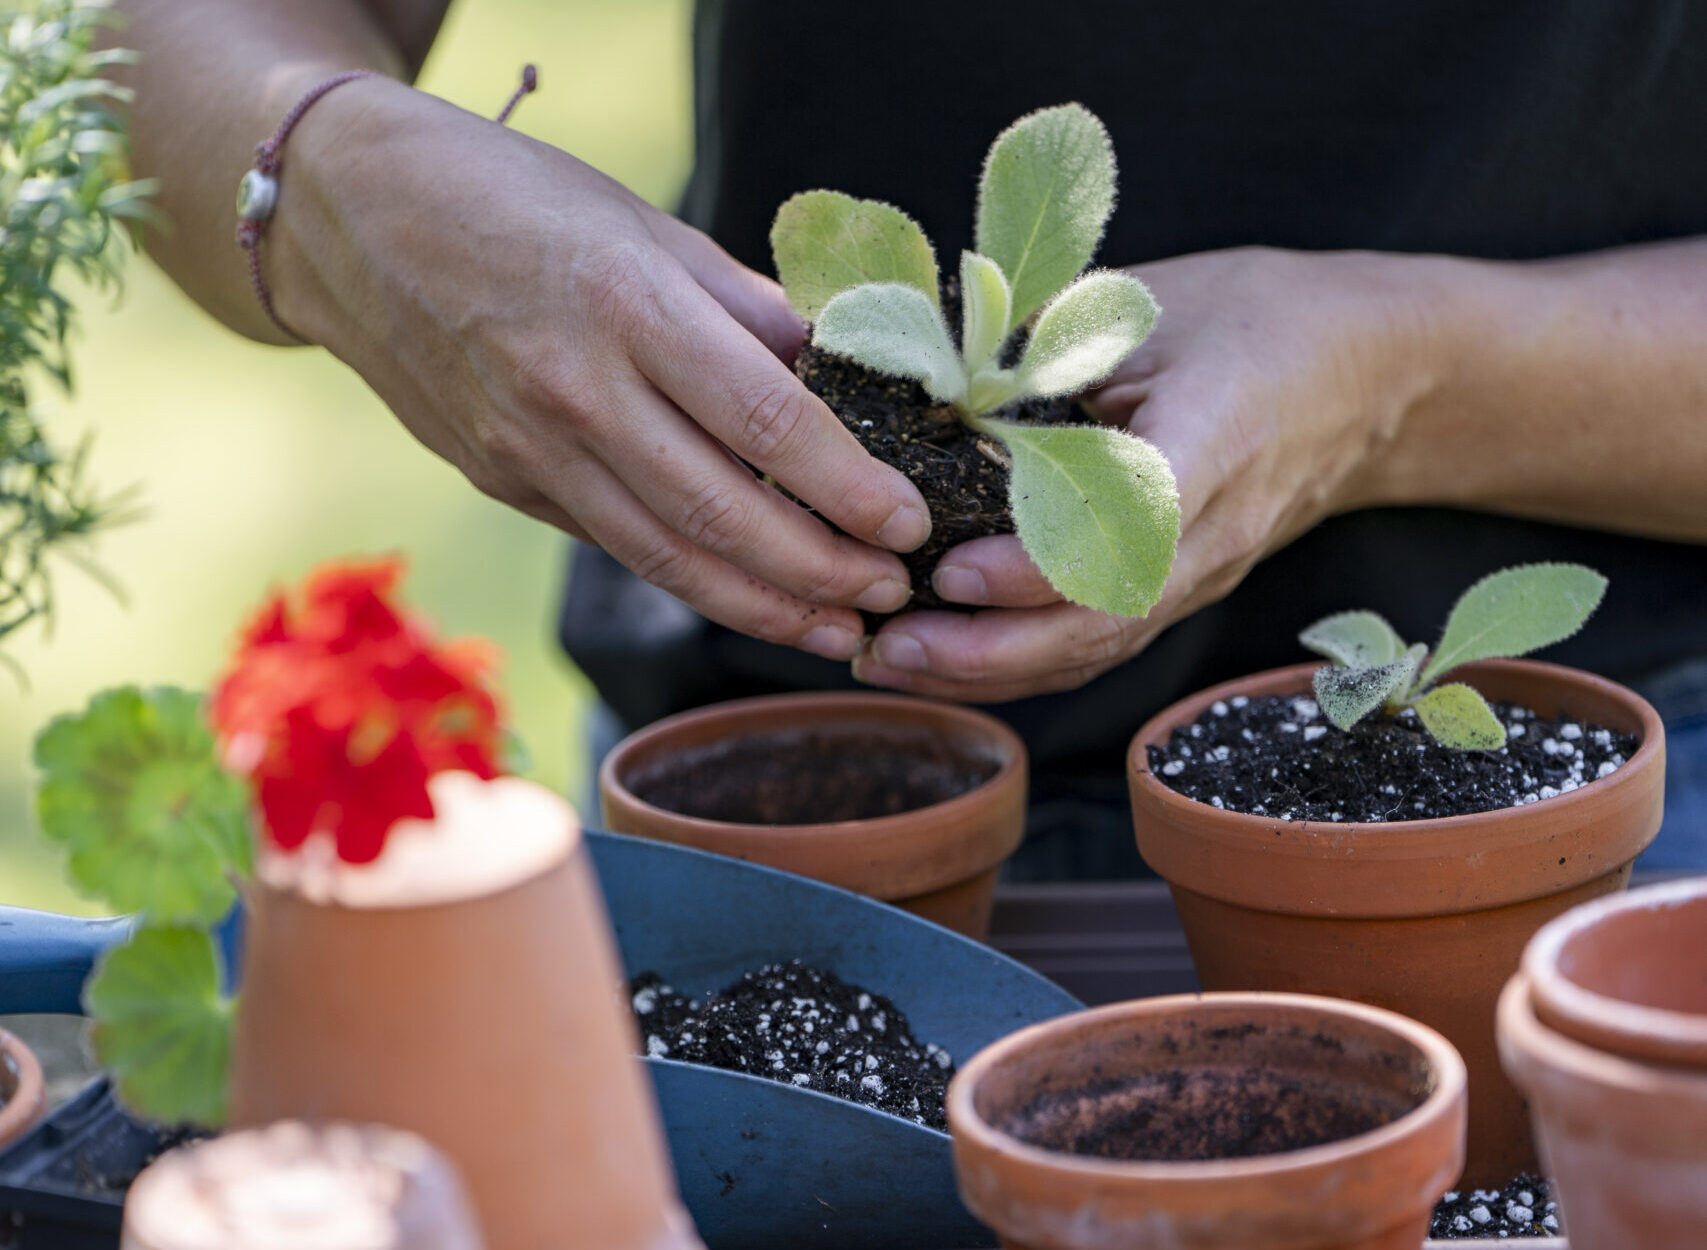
x=23, y=1095
x=465, y=986
x=1628, y=974
x=1625, y=1141
x=938, y=861
x=296, y=1187
x=1280, y=1121
x=1426, y=917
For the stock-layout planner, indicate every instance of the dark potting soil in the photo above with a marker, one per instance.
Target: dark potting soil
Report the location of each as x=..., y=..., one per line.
x=1524, y=1208
x=96, y=1180
x=1278, y=756
x=1201, y=1113
x=798, y=777
x=802, y=1026
x=962, y=474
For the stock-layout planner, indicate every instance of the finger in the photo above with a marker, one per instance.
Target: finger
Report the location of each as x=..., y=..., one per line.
x=623, y=526
x=757, y=302
x=751, y=403
x=1059, y=645
x=992, y=572
x=690, y=482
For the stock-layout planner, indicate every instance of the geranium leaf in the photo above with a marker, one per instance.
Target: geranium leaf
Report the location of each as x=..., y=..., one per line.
x=1347, y=695
x=1096, y=509
x=131, y=788
x=1354, y=639
x=1514, y=612
x=825, y=242
x=1046, y=192
x=985, y=300
x=1084, y=332
x=1457, y=717
x=894, y=329
x=162, y=1027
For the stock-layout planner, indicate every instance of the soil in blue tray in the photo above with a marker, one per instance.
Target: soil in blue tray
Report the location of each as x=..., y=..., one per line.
x=797, y=777
x=1281, y=757
x=1524, y=1208
x=803, y=1026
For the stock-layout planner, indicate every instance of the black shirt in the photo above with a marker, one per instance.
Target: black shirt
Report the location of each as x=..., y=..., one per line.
x=1512, y=130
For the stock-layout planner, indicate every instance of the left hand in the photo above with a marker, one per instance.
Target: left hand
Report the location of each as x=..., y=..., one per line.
x=1273, y=381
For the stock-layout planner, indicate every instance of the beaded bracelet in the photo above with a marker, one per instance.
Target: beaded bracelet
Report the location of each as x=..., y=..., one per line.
x=258, y=193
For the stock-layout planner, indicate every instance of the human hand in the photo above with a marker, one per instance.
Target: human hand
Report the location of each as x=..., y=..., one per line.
x=1273, y=382
x=587, y=359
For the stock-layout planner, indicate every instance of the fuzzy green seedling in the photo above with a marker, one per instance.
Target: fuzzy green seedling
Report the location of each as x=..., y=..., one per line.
x=1096, y=508
x=1506, y=614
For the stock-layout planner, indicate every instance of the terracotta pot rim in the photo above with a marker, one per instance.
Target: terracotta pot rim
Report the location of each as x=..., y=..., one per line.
x=1440, y=1055
x=840, y=703
x=1522, y=1032
x=1157, y=727
x=1601, y=1021
x=28, y=1097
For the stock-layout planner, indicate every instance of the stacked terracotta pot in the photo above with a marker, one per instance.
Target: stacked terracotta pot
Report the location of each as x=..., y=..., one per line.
x=23, y=1095
x=1605, y=1032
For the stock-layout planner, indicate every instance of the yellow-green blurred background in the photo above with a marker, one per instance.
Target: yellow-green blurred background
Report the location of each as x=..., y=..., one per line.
x=254, y=463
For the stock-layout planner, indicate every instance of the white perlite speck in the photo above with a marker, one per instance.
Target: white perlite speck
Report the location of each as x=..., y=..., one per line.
x=1518, y=1214
x=873, y=1083
x=1572, y=732
x=1173, y=768
x=1239, y=700
x=1481, y=1214
x=1312, y=732
x=645, y=1001
x=1218, y=708
x=657, y=1047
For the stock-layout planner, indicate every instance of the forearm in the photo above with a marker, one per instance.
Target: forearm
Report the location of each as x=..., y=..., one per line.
x=213, y=79
x=1570, y=390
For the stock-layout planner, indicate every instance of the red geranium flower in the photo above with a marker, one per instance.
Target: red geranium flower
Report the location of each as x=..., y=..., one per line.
x=341, y=708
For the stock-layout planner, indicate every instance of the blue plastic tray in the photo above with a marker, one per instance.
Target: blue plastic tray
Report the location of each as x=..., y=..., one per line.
x=761, y=1164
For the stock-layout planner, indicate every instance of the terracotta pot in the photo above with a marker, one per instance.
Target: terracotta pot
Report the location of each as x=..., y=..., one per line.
x=939, y=862
x=1625, y=1141
x=464, y=987
x=1298, y=1061
x=1426, y=917
x=296, y=1187
x=1625, y=974
x=23, y=1094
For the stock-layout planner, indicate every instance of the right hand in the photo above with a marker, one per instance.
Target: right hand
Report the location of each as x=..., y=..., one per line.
x=587, y=359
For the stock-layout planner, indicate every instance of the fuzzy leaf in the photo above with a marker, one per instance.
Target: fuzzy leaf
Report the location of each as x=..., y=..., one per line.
x=1046, y=192
x=985, y=301
x=894, y=329
x=1347, y=695
x=1096, y=509
x=1516, y=611
x=1457, y=717
x=162, y=1027
x=990, y=388
x=1085, y=332
x=1354, y=639
x=132, y=790
x=825, y=242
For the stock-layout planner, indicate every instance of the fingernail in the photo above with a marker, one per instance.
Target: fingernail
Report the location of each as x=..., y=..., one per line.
x=832, y=642
x=959, y=584
x=905, y=529
x=887, y=595
x=900, y=651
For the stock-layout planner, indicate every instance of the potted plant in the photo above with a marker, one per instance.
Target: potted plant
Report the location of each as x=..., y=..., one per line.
x=1276, y=1120
x=975, y=408
x=909, y=801
x=1423, y=914
x=1605, y=1032
x=295, y=1186
x=401, y=896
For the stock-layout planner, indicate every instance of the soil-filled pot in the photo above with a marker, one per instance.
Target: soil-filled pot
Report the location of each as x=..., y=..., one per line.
x=465, y=987
x=23, y=1095
x=1426, y=917
x=1628, y=974
x=1196, y=1122
x=1625, y=1141
x=909, y=801
x=292, y=1186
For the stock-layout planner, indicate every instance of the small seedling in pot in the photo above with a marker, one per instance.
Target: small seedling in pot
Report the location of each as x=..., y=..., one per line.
x=1095, y=507
x=1506, y=614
